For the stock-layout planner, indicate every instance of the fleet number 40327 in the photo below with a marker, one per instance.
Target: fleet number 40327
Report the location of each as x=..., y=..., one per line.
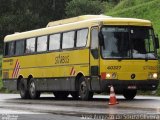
x=113, y=67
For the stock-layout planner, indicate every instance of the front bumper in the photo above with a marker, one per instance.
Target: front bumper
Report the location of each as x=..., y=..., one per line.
x=120, y=85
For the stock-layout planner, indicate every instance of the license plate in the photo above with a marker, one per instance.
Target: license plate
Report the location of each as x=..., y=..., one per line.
x=132, y=87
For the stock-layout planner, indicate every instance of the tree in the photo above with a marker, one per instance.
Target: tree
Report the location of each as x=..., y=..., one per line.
x=23, y=15
x=81, y=7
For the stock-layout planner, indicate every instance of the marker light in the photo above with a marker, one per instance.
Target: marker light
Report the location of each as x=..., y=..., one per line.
x=150, y=76
x=114, y=75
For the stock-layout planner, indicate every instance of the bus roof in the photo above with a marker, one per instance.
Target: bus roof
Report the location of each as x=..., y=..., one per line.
x=77, y=23
x=75, y=19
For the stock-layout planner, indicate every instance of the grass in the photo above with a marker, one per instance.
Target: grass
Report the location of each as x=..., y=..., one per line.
x=0, y=72
x=143, y=9
x=1, y=85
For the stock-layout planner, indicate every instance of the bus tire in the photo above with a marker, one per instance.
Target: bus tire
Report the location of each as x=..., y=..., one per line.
x=129, y=94
x=60, y=95
x=34, y=94
x=75, y=95
x=24, y=93
x=84, y=92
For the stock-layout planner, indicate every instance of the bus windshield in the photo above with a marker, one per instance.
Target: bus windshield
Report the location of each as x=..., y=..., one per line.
x=128, y=42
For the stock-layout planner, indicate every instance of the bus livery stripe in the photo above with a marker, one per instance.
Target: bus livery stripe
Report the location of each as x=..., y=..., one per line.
x=16, y=69
x=73, y=72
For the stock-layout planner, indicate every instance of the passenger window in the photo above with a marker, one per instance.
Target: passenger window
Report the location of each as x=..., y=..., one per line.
x=9, y=48
x=42, y=44
x=68, y=40
x=30, y=45
x=6, y=51
x=19, y=47
x=54, y=42
x=81, y=37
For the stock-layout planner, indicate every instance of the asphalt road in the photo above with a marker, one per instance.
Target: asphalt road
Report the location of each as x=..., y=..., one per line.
x=12, y=107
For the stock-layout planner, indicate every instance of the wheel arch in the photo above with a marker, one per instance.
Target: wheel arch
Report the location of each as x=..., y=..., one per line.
x=26, y=83
x=28, y=79
x=77, y=82
x=18, y=81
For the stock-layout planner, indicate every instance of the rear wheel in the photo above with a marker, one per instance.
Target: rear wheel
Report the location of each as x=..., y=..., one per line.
x=34, y=94
x=84, y=92
x=24, y=93
x=129, y=94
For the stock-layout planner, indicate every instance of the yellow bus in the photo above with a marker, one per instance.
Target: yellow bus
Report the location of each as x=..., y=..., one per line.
x=82, y=56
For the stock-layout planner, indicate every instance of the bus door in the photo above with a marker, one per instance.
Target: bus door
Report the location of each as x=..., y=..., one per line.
x=94, y=59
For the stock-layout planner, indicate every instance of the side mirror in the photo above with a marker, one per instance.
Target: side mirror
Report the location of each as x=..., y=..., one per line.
x=101, y=39
x=156, y=42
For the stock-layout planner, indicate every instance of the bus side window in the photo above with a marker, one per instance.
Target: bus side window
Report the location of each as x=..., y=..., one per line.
x=19, y=47
x=6, y=49
x=82, y=36
x=68, y=40
x=9, y=48
x=30, y=45
x=94, y=42
x=54, y=41
x=42, y=44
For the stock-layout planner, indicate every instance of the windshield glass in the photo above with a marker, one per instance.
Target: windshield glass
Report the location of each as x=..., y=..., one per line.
x=128, y=42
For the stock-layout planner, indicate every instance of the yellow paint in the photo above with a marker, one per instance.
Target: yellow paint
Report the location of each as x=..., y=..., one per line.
x=129, y=67
x=45, y=65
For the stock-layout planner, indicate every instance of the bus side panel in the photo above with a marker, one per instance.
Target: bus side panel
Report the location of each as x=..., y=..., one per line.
x=56, y=84
x=51, y=71
x=10, y=84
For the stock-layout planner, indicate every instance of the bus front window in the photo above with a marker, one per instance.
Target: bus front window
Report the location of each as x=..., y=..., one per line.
x=128, y=42
x=142, y=43
x=116, y=42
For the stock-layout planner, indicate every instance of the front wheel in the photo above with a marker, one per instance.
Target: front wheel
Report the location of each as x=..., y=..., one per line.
x=129, y=94
x=84, y=92
x=34, y=94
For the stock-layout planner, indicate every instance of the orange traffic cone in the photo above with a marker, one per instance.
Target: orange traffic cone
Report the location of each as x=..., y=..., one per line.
x=112, y=99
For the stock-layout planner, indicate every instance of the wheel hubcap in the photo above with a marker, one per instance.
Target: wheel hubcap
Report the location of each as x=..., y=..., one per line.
x=32, y=88
x=83, y=88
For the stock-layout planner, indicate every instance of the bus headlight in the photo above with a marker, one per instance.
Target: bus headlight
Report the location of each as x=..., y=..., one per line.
x=155, y=75
x=111, y=75
x=152, y=75
x=105, y=75
x=108, y=75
